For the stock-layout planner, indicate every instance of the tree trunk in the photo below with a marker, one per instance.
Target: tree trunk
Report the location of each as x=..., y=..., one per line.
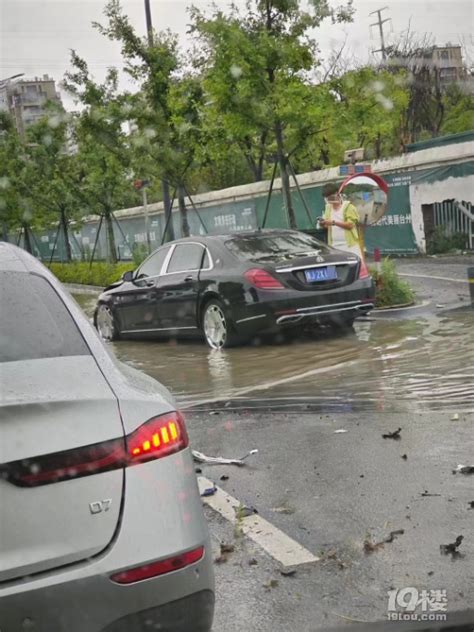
x=65, y=227
x=27, y=239
x=168, y=210
x=183, y=211
x=285, y=177
x=4, y=231
x=112, y=251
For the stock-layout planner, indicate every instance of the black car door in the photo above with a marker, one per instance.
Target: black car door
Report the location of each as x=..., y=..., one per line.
x=135, y=302
x=179, y=287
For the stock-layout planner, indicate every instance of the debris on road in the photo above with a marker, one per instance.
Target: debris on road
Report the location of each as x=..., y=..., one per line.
x=199, y=457
x=370, y=547
x=226, y=550
x=215, y=412
x=464, y=469
x=340, y=431
x=427, y=493
x=284, y=510
x=224, y=477
x=273, y=583
x=253, y=562
x=245, y=512
x=471, y=504
x=288, y=572
x=455, y=417
x=210, y=491
x=404, y=457
x=452, y=548
x=198, y=470
x=392, y=435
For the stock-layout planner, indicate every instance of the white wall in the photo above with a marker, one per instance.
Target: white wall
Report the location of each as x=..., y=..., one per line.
x=432, y=192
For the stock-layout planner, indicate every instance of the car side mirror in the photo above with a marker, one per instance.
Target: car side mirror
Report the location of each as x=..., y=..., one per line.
x=128, y=276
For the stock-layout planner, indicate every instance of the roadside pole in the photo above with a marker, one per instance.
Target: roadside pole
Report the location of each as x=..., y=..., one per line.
x=147, y=219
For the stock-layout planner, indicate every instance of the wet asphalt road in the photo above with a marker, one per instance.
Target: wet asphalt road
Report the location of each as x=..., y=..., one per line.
x=412, y=370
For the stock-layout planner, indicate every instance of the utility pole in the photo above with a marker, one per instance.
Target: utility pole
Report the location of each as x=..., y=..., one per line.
x=380, y=22
x=165, y=187
x=149, y=24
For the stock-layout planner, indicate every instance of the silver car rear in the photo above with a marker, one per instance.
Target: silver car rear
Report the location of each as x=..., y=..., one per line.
x=101, y=523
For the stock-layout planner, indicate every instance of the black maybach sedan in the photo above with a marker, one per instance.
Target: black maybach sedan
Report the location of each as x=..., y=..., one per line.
x=232, y=288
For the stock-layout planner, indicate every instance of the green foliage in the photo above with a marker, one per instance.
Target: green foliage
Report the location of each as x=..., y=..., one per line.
x=391, y=290
x=442, y=241
x=99, y=274
x=140, y=253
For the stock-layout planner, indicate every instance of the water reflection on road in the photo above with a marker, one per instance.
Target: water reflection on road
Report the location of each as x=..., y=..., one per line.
x=389, y=365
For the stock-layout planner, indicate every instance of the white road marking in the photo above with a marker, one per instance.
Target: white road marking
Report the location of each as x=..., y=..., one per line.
x=427, y=276
x=276, y=543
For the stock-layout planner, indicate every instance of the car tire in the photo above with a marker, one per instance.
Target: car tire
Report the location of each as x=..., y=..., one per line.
x=217, y=326
x=105, y=323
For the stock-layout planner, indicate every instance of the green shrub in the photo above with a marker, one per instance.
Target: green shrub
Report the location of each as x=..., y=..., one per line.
x=441, y=241
x=391, y=290
x=100, y=274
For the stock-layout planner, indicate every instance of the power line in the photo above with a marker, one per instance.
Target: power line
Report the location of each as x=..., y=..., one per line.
x=380, y=22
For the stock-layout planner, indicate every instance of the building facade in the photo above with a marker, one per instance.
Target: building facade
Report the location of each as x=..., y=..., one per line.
x=26, y=99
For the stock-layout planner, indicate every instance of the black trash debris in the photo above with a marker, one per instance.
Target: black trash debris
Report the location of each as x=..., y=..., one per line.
x=224, y=477
x=452, y=548
x=404, y=457
x=288, y=572
x=464, y=469
x=392, y=435
x=245, y=512
x=427, y=493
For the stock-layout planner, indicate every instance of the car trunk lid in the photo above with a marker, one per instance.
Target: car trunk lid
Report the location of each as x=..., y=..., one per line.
x=51, y=409
x=317, y=271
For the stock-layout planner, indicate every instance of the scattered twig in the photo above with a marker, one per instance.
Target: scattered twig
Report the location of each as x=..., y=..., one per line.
x=392, y=435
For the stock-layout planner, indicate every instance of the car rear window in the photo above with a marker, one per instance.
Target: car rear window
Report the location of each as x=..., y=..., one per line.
x=34, y=322
x=276, y=247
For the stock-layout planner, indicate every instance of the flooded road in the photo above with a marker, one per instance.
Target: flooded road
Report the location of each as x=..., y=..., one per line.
x=386, y=365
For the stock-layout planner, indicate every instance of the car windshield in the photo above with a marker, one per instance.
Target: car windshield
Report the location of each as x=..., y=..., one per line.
x=34, y=322
x=275, y=247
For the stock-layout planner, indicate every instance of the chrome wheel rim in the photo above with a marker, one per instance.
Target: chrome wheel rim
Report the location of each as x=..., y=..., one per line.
x=105, y=323
x=215, y=327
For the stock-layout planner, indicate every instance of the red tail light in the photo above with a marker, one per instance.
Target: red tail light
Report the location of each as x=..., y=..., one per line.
x=363, y=270
x=263, y=280
x=155, y=439
x=158, y=568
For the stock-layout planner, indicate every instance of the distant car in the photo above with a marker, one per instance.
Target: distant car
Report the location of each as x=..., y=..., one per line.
x=230, y=288
x=101, y=522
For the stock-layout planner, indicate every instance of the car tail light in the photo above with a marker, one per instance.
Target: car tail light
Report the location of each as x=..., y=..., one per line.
x=158, y=437
x=263, y=280
x=363, y=270
x=154, y=569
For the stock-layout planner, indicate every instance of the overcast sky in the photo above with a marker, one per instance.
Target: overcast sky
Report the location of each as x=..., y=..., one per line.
x=36, y=35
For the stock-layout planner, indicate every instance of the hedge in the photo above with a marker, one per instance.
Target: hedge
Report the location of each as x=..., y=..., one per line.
x=100, y=274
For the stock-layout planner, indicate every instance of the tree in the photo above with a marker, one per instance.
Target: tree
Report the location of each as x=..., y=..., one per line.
x=166, y=110
x=103, y=150
x=256, y=70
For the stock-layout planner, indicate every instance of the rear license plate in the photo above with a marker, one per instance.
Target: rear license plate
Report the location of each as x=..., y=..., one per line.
x=327, y=273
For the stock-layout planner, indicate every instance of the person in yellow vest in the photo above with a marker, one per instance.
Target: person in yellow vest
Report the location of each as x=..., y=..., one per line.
x=341, y=220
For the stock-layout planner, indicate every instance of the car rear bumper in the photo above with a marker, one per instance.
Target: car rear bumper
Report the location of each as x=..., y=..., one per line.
x=190, y=614
x=273, y=310
x=162, y=517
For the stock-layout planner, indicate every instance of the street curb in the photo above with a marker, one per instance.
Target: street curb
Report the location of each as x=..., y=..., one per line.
x=83, y=289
